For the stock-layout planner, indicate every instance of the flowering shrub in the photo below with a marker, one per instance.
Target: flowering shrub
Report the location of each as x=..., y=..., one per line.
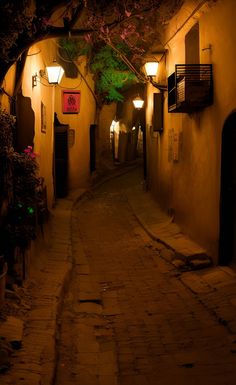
x=18, y=183
x=29, y=151
x=21, y=220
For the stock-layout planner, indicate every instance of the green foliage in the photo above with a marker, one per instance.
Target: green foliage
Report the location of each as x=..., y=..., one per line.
x=21, y=219
x=7, y=125
x=18, y=185
x=105, y=57
x=111, y=74
x=73, y=48
x=110, y=80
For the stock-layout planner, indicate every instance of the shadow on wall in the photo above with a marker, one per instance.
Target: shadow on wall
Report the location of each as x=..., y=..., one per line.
x=25, y=123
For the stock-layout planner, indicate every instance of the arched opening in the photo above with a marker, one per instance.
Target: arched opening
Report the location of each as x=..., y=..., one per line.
x=227, y=241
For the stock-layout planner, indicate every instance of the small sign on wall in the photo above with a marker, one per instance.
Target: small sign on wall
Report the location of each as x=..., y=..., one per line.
x=176, y=145
x=70, y=102
x=170, y=144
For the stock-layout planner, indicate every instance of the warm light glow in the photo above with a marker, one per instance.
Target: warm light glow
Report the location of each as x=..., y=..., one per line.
x=115, y=126
x=151, y=68
x=138, y=102
x=54, y=73
x=112, y=126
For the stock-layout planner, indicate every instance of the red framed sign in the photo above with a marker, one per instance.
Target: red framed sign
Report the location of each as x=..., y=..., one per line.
x=70, y=102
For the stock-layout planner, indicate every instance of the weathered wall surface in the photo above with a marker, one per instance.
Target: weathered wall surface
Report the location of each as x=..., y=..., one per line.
x=79, y=150
x=184, y=161
x=40, y=55
x=8, y=85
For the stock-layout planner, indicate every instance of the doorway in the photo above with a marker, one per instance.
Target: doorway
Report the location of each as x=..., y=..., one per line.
x=61, y=160
x=25, y=133
x=227, y=241
x=93, y=128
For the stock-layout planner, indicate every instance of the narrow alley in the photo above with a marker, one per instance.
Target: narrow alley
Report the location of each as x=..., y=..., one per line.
x=127, y=318
x=117, y=192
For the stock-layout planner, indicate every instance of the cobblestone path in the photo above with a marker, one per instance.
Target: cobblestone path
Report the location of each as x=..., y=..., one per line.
x=127, y=317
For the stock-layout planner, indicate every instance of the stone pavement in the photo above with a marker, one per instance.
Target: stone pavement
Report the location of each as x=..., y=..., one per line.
x=34, y=364
x=161, y=227
x=215, y=287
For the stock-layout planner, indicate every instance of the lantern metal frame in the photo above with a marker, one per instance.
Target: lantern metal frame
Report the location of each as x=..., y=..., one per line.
x=138, y=102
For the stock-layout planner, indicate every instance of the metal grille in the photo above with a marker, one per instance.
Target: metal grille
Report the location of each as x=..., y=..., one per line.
x=190, y=87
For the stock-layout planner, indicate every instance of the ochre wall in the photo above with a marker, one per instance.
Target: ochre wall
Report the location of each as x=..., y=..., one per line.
x=79, y=152
x=8, y=85
x=190, y=183
x=40, y=55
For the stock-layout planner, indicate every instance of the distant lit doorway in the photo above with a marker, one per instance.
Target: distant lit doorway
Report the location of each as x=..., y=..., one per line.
x=227, y=241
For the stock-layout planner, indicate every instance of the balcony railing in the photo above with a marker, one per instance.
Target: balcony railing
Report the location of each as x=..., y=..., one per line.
x=190, y=88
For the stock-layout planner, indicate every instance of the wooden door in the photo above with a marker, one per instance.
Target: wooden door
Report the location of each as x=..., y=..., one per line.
x=61, y=160
x=227, y=243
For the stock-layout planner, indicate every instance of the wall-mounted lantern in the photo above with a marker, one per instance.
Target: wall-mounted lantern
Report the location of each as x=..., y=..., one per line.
x=138, y=102
x=151, y=68
x=53, y=74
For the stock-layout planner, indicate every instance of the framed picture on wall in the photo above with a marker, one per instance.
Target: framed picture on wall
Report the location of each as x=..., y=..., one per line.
x=43, y=118
x=70, y=102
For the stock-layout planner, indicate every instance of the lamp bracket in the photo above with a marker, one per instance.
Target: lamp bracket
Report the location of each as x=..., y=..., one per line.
x=34, y=80
x=42, y=73
x=161, y=87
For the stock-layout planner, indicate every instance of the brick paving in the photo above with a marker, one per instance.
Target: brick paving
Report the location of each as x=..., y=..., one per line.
x=34, y=364
x=131, y=316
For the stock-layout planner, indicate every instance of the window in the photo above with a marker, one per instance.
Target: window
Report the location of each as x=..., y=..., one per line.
x=192, y=55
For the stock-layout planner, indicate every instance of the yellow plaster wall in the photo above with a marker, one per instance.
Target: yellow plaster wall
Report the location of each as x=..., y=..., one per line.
x=79, y=152
x=39, y=56
x=191, y=184
x=8, y=85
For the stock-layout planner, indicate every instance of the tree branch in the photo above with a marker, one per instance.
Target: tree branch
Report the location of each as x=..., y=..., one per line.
x=76, y=15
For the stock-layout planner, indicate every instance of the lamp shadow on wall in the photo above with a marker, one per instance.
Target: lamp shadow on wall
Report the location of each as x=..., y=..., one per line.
x=25, y=123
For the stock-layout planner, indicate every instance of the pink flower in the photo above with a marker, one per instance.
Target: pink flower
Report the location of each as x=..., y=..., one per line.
x=29, y=151
x=127, y=13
